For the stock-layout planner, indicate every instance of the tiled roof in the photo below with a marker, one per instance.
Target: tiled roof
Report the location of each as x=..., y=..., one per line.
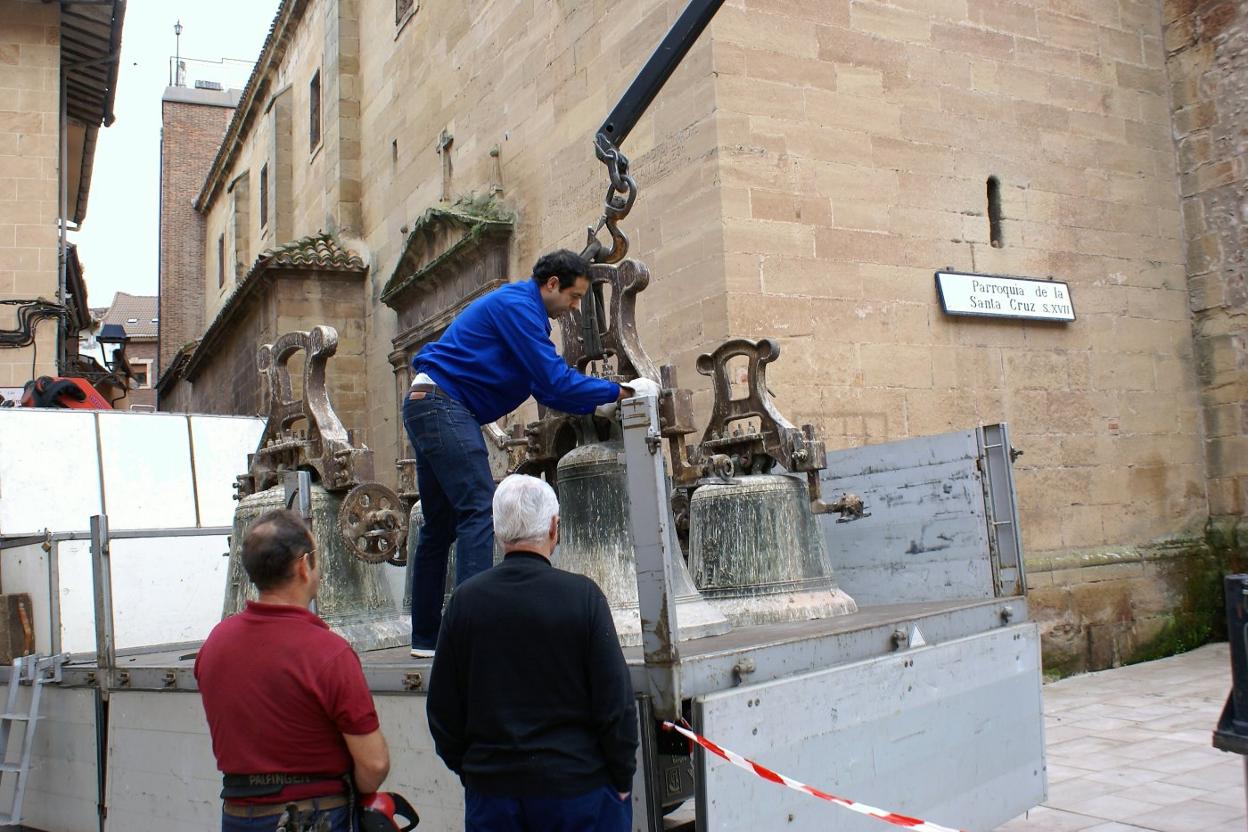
x=137, y=313
x=321, y=251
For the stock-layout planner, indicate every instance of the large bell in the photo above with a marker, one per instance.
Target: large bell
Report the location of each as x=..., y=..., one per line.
x=595, y=540
x=757, y=553
x=415, y=520
x=353, y=597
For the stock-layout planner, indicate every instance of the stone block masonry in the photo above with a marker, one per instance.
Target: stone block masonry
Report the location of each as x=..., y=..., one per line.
x=1207, y=60
x=29, y=153
x=855, y=153
x=807, y=169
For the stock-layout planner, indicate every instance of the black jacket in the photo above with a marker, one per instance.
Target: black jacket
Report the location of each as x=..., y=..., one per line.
x=529, y=694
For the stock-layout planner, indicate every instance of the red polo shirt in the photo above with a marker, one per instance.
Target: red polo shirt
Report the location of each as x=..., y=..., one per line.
x=280, y=689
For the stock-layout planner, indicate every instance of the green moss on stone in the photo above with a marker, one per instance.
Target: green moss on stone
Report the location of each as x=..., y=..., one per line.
x=1201, y=615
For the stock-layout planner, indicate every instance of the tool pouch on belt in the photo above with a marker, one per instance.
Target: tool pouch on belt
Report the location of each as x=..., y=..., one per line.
x=242, y=786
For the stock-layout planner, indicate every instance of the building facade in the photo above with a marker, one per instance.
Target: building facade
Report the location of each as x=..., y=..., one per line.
x=58, y=77
x=804, y=173
x=137, y=317
x=192, y=123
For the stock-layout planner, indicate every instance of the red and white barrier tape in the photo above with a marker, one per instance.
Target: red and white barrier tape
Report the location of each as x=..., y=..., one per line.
x=767, y=774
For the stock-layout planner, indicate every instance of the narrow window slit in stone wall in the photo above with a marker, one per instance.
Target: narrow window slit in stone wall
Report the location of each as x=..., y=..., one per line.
x=995, y=233
x=264, y=195
x=403, y=9
x=314, y=112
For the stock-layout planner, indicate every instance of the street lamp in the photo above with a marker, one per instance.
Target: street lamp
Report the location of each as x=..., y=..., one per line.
x=177, y=53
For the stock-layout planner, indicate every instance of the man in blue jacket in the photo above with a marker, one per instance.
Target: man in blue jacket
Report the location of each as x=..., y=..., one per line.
x=494, y=355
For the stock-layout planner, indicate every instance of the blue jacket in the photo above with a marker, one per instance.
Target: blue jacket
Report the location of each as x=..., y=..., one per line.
x=498, y=352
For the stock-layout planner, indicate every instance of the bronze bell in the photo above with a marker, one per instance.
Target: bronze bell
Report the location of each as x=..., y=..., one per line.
x=758, y=555
x=595, y=540
x=353, y=599
x=415, y=521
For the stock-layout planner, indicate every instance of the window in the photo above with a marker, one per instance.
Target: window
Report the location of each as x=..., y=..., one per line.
x=995, y=234
x=264, y=195
x=221, y=261
x=142, y=372
x=314, y=112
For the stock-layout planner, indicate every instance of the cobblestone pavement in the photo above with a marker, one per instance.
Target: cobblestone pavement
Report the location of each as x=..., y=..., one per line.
x=1129, y=751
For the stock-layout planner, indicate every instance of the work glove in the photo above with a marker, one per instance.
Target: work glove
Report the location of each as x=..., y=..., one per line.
x=606, y=411
x=643, y=387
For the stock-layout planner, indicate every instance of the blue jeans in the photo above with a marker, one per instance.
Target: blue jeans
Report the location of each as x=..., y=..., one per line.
x=456, y=496
x=598, y=811
x=336, y=820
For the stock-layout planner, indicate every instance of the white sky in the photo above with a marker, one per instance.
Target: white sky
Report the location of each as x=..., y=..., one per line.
x=118, y=244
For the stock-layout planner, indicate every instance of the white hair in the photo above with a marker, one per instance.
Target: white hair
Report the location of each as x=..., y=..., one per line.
x=523, y=507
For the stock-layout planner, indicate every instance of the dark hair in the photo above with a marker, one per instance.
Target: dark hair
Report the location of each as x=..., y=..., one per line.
x=272, y=545
x=563, y=264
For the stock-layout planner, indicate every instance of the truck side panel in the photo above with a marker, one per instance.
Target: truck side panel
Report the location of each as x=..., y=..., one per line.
x=927, y=536
x=950, y=733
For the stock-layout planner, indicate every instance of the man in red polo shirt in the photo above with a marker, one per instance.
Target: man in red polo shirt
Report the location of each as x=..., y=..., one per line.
x=288, y=708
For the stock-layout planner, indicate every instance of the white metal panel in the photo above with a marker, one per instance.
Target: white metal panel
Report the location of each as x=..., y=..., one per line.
x=950, y=733
x=161, y=771
x=61, y=793
x=49, y=470
x=25, y=569
x=416, y=771
x=220, y=445
x=147, y=470
x=162, y=774
x=76, y=596
x=165, y=590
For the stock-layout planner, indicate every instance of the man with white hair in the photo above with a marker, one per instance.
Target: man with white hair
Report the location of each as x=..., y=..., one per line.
x=530, y=701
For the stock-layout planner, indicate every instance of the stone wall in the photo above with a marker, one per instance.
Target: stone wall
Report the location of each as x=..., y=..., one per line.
x=857, y=141
x=275, y=131
x=1207, y=59
x=807, y=169
x=520, y=88
x=227, y=380
x=29, y=165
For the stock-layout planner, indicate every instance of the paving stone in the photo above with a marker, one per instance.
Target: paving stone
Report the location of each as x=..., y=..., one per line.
x=1188, y=816
x=1044, y=819
x=1109, y=806
x=1163, y=794
x=1124, y=777
x=1128, y=750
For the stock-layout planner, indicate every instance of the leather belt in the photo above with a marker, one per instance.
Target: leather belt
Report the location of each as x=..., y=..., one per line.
x=428, y=389
x=264, y=810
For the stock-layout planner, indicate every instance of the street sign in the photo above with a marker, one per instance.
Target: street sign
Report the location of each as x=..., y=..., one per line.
x=986, y=295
